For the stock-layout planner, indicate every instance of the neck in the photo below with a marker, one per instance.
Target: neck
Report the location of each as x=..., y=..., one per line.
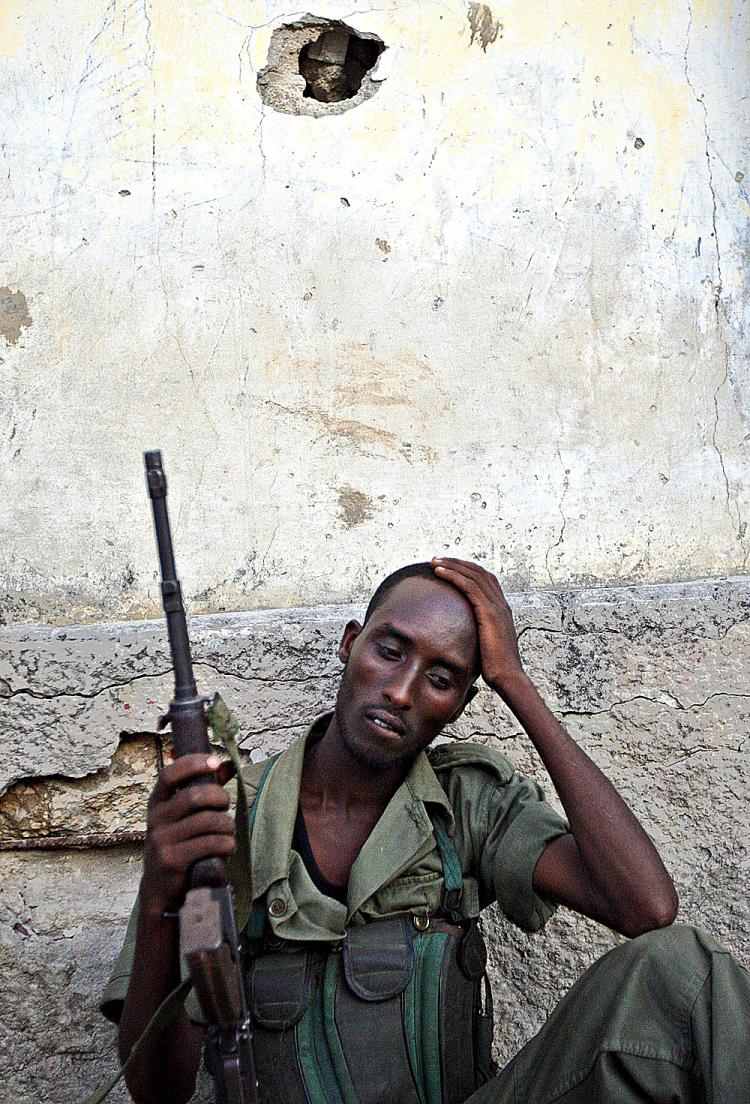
x=331, y=775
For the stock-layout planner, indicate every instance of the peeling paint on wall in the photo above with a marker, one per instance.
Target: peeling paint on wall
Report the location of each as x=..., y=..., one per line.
x=484, y=27
x=110, y=799
x=14, y=314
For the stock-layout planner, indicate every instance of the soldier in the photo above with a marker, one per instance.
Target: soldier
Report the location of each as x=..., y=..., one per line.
x=373, y=852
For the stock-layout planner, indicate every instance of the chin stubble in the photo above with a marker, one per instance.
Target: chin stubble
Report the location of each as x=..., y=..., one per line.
x=366, y=758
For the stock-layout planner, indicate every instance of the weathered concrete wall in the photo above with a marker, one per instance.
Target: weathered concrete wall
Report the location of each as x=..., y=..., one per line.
x=654, y=682
x=498, y=307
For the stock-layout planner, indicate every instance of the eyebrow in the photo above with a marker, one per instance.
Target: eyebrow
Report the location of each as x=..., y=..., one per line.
x=389, y=629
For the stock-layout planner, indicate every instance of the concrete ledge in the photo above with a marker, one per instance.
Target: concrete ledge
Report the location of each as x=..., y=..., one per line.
x=653, y=681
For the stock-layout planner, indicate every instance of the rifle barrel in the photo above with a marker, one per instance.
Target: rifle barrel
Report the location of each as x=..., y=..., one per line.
x=171, y=590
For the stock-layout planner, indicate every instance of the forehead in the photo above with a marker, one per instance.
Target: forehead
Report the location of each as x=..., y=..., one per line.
x=433, y=614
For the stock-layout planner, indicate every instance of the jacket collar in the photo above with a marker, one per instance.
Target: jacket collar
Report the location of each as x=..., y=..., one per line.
x=403, y=829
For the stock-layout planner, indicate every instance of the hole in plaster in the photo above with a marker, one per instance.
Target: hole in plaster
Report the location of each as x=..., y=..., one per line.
x=320, y=67
x=333, y=66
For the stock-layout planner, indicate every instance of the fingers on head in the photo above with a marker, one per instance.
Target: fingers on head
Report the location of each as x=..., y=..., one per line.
x=469, y=574
x=473, y=580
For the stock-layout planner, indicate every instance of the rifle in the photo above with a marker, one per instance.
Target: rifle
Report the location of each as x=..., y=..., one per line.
x=208, y=934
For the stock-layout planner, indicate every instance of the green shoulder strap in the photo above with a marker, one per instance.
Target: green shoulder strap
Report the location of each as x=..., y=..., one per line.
x=252, y=922
x=452, y=874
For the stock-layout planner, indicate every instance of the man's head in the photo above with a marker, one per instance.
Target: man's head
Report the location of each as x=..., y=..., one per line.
x=410, y=668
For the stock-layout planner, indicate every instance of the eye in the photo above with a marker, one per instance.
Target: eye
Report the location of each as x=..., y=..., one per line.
x=441, y=682
x=389, y=652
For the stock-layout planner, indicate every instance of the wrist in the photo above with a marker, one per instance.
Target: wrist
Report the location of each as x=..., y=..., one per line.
x=511, y=685
x=155, y=906
x=158, y=912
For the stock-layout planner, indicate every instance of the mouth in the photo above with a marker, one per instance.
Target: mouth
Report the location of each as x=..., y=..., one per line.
x=385, y=723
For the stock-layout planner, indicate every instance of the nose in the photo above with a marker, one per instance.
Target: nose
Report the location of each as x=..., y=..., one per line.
x=399, y=690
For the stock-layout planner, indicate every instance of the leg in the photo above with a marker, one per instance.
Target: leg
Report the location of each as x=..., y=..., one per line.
x=663, y=1019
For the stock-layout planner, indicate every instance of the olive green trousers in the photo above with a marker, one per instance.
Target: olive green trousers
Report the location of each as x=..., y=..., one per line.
x=663, y=1019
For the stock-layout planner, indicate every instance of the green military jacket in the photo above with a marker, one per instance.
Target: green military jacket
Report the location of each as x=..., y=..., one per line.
x=499, y=820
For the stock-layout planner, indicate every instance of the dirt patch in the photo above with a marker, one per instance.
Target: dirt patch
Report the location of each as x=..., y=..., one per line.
x=484, y=27
x=14, y=314
x=355, y=507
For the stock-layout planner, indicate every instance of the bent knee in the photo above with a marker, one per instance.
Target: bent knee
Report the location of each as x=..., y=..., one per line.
x=676, y=946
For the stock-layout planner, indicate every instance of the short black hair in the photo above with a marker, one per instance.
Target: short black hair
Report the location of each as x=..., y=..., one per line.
x=411, y=571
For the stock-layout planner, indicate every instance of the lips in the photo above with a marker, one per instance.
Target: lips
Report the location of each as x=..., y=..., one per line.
x=385, y=722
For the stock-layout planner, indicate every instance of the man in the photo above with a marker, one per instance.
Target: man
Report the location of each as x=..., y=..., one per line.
x=347, y=842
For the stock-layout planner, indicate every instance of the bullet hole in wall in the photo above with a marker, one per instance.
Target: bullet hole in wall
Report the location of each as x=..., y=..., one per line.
x=334, y=65
x=320, y=67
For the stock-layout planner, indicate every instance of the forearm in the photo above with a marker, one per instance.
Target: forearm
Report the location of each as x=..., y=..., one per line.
x=609, y=869
x=624, y=868
x=165, y=1072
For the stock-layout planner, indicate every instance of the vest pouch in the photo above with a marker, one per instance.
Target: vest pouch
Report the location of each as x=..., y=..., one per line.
x=279, y=988
x=378, y=959
x=363, y=1012
x=413, y=997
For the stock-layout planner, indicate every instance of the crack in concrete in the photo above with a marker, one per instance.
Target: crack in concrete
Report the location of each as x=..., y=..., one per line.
x=266, y=730
x=678, y=706
x=198, y=663
x=150, y=67
x=561, y=535
x=269, y=680
x=493, y=737
x=563, y=714
x=573, y=629
x=699, y=751
x=718, y=290
x=700, y=99
x=26, y=691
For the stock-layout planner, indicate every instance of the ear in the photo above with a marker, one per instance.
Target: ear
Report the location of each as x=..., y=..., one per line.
x=470, y=694
x=351, y=632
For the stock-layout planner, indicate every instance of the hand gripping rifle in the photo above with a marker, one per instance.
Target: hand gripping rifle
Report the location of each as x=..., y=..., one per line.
x=208, y=935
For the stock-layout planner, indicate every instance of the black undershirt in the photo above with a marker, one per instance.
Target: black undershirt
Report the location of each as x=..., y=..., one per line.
x=301, y=844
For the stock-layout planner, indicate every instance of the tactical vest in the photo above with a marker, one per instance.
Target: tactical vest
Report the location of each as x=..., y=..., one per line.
x=399, y=1011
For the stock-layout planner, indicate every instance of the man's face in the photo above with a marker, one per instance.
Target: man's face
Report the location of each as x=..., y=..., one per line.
x=408, y=672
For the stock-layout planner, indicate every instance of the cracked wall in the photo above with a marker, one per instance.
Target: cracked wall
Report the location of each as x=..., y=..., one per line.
x=546, y=367
x=653, y=681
